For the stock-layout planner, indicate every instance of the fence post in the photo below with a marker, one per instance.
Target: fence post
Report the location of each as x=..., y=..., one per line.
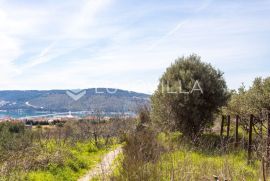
x=268, y=141
x=222, y=125
x=236, y=131
x=250, y=138
x=228, y=126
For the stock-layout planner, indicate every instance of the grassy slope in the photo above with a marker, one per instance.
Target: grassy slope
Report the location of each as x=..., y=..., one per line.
x=185, y=162
x=84, y=156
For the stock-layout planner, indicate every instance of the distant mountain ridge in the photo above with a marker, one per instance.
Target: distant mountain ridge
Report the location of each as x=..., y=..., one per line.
x=102, y=99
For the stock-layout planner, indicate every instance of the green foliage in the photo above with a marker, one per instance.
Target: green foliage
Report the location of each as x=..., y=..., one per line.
x=193, y=111
x=16, y=128
x=82, y=157
x=253, y=100
x=14, y=137
x=41, y=176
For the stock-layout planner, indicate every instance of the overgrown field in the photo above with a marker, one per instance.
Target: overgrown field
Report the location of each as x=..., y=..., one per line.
x=192, y=165
x=62, y=152
x=81, y=158
x=183, y=160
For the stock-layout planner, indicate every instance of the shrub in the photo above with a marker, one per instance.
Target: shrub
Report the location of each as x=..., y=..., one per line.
x=141, y=146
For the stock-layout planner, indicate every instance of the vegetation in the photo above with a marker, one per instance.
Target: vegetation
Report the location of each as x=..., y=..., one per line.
x=81, y=158
x=63, y=152
x=184, y=161
x=252, y=100
x=173, y=156
x=156, y=144
x=188, y=95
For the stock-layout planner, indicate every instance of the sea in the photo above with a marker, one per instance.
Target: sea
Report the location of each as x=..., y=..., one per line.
x=19, y=114
x=22, y=113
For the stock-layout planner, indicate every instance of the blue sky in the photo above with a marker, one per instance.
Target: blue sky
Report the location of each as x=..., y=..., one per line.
x=128, y=43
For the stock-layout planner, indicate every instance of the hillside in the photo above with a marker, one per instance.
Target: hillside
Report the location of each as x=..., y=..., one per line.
x=58, y=100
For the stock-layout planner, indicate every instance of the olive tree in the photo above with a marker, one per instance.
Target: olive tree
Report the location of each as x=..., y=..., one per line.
x=189, y=93
x=251, y=101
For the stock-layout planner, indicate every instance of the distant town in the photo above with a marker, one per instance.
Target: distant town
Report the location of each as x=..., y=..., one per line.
x=56, y=118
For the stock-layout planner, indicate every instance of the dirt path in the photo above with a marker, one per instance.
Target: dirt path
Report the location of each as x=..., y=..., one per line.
x=104, y=167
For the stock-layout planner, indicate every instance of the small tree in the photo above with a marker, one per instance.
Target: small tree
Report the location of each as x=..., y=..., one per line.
x=253, y=100
x=188, y=95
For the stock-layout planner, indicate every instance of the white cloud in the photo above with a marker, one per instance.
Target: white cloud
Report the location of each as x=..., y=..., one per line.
x=74, y=28
x=94, y=45
x=10, y=49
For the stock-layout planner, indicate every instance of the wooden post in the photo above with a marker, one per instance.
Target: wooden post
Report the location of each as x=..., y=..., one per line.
x=228, y=126
x=263, y=169
x=268, y=141
x=222, y=125
x=250, y=138
x=236, y=131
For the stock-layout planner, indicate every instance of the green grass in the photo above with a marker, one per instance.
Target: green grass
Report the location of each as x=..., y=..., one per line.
x=192, y=165
x=186, y=161
x=82, y=157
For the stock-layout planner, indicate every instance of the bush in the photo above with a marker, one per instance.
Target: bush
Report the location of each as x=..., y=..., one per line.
x=141, y=147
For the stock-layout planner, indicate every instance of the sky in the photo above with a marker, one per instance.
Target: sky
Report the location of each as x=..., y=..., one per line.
x=128, y=44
